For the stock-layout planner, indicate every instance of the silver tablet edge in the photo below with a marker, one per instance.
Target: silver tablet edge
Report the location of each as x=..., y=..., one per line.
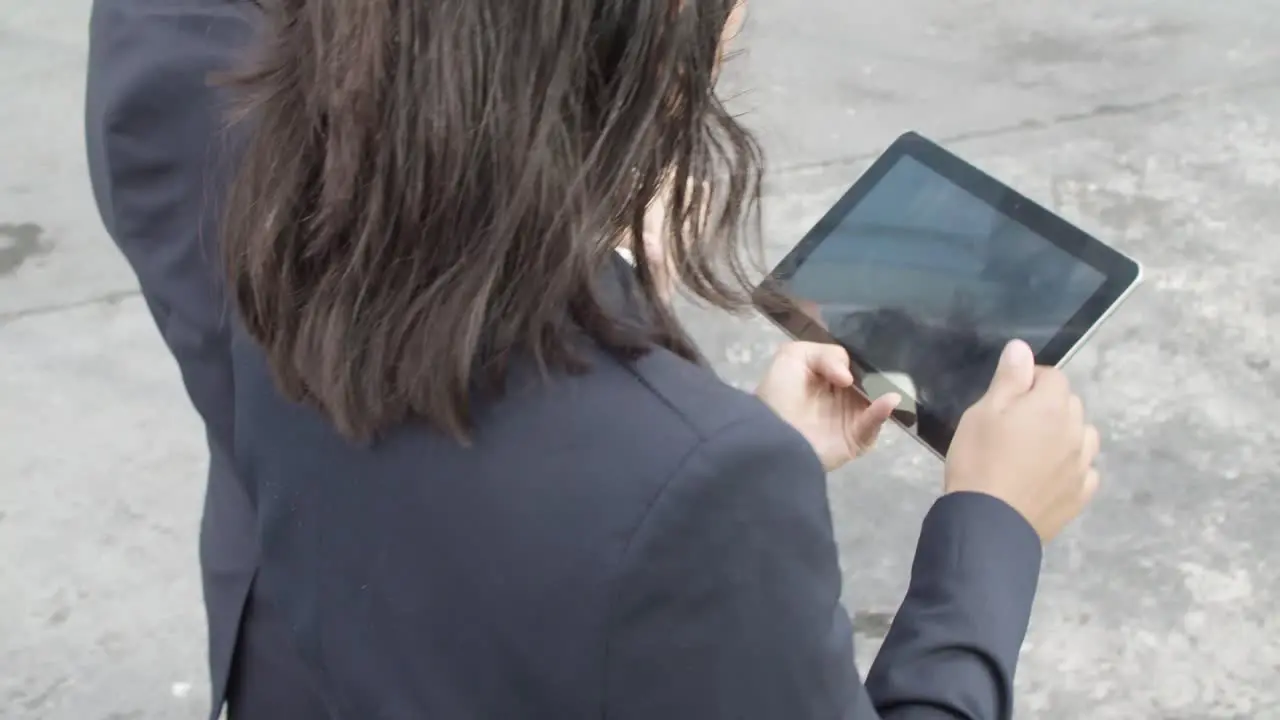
x=1137, y=280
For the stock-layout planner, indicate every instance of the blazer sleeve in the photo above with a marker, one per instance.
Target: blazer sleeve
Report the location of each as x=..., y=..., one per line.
x=158, y=158
x=727, y=603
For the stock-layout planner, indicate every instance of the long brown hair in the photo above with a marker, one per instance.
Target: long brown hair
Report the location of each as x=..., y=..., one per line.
x=430, y=188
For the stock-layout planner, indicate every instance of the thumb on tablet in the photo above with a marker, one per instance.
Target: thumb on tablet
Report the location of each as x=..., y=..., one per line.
x=1015, y=374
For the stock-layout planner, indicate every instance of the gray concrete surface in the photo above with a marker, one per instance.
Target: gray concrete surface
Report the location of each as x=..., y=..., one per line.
x=1152, y=122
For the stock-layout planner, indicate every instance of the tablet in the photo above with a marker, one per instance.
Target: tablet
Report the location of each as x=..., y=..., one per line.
x=926, y=268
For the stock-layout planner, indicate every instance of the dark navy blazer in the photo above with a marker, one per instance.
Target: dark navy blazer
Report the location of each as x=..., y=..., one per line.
x=642, y=541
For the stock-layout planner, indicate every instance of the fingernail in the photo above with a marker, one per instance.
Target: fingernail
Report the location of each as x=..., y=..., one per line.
x=1017, y=345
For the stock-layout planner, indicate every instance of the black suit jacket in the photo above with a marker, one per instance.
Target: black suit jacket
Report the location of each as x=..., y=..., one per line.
x=158, y=161
x=642, y=541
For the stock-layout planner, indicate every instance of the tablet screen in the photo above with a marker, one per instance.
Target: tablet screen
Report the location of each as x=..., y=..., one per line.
x=924, y=280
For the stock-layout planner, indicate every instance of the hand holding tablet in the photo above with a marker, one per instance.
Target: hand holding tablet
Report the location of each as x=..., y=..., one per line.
x=1026, y=442
x=927, y=268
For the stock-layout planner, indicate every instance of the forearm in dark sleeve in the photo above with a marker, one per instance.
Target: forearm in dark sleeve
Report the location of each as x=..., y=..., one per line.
x=953, y=647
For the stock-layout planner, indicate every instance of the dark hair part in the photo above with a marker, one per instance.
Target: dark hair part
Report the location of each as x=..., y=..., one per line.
x=430, y=188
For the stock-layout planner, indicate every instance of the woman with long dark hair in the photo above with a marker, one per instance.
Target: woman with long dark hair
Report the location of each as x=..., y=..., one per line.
x=493, y=477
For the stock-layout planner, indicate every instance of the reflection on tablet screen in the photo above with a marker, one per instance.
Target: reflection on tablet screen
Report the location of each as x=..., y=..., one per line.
x=926, y=280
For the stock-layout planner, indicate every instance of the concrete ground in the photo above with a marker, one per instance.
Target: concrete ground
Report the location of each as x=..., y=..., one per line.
x=1155, y=123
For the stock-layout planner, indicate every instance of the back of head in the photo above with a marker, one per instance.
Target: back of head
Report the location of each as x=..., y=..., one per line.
x=430, y=188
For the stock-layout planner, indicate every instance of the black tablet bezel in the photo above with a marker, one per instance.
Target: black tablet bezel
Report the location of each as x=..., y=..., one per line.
x=1120, y=272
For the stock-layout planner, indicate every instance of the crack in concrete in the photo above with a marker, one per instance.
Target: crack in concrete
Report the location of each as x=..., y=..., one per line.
x=110, y=298
x=1035, y=124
